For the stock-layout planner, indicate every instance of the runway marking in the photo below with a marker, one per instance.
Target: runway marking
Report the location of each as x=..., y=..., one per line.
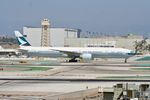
x=58, y=71
x=5, y=82
x=77, y=80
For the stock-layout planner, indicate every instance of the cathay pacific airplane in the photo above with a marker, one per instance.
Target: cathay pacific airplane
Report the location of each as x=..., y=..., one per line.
x=85, y=53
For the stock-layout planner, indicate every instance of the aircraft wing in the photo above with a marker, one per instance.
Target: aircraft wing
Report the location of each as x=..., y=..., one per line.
x=69, y=53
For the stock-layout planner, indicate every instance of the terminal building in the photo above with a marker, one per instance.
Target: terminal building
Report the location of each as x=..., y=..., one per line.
x=67, y=37
x=105, y=41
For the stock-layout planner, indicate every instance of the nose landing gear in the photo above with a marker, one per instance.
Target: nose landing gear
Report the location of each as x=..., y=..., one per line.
x=125, y=61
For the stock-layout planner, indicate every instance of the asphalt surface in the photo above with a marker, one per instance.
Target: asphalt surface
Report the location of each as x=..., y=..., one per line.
x=70, y=77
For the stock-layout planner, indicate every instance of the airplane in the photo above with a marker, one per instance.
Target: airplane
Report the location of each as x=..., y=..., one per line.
x=84, y=53
x=8, y=52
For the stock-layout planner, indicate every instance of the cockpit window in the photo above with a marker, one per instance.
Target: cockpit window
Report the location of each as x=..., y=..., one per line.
x=131, y=53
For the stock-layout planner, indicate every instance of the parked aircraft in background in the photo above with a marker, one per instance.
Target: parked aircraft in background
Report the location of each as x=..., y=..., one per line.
x=85, y=53
x=8, y=52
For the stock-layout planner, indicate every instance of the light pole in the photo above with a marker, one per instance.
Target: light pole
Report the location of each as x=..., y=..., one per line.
x=146, y=95
x=125, y=95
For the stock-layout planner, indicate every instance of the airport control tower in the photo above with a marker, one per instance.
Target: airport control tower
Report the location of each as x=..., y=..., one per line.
x=45, y=35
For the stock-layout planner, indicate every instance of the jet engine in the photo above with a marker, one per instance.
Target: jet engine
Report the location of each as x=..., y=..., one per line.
x=86, y=57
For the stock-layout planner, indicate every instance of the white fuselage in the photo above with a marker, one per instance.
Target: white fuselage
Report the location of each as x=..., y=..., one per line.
x=96, y=52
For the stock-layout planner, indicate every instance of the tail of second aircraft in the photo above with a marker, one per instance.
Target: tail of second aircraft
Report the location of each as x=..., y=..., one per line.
x=21, y=39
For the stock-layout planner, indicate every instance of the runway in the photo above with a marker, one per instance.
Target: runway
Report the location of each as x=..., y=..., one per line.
x=74, y=80
x=110, y=71
x=36, y=90
x=69, y=77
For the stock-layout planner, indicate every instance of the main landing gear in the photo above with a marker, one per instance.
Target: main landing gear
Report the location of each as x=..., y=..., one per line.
x=73, y=60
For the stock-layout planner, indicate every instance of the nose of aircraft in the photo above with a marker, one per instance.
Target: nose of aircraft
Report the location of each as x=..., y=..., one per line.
x=132, y=52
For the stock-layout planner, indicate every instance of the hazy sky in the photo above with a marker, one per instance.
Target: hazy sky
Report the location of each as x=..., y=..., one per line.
x=88, y=15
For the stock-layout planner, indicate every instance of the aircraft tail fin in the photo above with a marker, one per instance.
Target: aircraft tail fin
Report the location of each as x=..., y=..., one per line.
x=21, y=39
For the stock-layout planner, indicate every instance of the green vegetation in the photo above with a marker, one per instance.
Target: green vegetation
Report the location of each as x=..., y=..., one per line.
x=45, y=63
x=142, y=65
x=24, y=68
x=7, y=40
x=38, y=68
x=144, y=69
x=125, y=77
x=147, y=58
x=141, y=46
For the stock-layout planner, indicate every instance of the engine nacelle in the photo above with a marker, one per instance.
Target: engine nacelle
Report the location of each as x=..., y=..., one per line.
x=86, y=57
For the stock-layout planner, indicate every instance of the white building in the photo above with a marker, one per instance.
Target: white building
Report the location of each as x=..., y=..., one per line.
x=57, y=35
x=60, y=37
x=118, y=41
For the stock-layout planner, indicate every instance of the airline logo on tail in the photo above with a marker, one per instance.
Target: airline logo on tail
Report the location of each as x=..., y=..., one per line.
x=21, y=39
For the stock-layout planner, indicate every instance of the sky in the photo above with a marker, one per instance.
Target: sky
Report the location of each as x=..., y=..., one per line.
x=107, y=16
